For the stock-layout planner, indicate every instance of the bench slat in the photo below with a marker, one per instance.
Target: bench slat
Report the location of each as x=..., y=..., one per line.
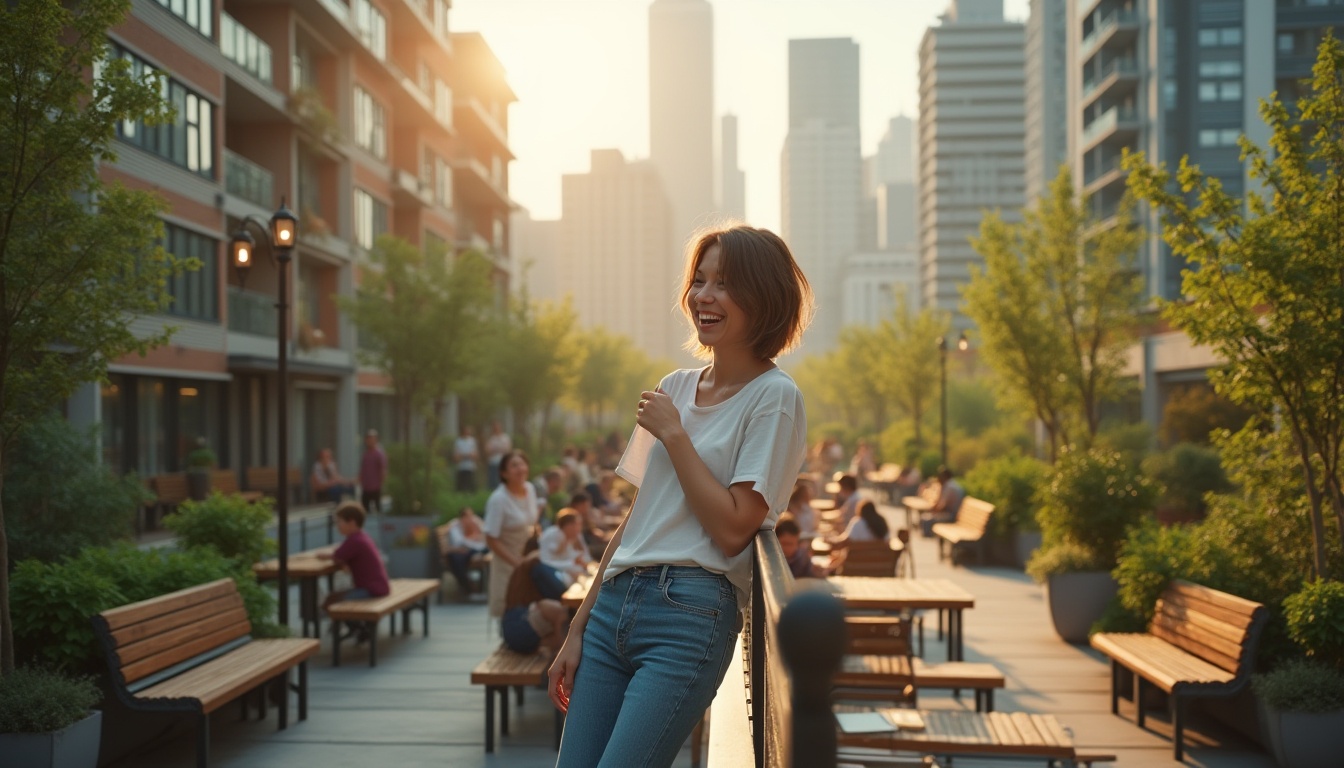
x=178, y=633
x=146, y=609
x=169, y=657
x=1191, y=639
x=222, y=680
x=403, y=593
x=1234, y=603
x=506, y=667
x=1160, y=663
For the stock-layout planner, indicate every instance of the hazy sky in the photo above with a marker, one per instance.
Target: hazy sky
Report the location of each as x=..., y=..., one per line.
x=581, y=72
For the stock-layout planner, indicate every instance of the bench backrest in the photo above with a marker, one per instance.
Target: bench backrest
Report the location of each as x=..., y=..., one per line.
x=885, y=635
x=170, y=489
x=1220, y=628
x=267, y=479
x=154, y=639
x=224, y=480
x=869, y=558
x=975, y=513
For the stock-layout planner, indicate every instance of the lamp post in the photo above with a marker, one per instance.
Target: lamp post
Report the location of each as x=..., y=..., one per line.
x=963, y=344
x=279, y=234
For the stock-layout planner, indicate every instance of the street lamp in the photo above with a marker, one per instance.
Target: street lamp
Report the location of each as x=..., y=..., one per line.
x=963, y=344
x=279, y=234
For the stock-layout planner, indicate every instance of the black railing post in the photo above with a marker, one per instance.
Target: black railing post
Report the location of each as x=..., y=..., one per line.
x=756, y=642
x=812, y=642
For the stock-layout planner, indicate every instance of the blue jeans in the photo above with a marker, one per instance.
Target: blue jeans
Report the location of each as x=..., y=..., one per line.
x=655, y=649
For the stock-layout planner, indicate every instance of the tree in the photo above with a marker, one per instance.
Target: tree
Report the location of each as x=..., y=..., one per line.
x=78, y=257
x=1266, y=284
x=421, y=319
x=1055, y=306
x=910, y=374
x=535, y=362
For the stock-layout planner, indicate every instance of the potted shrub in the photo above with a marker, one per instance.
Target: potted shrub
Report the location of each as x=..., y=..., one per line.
x=1010, y=483
x=1089, y=502
x=47, y=720
x=1186, y=472
x=1302, y=701
x=199, y=463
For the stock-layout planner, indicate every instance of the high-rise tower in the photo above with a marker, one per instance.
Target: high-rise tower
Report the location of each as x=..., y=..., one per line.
x=681, y=109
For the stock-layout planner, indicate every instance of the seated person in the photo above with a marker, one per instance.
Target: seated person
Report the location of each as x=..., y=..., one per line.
x=847, y=500
x=867, y=525
x=466, y=539
x=798, y=555
x=546, y=484
x=359, y=555
x=800, y=506
x=533, y=615
x=950, y=495
x=907, y=482
x=593, y=522
x=326, y=480
x=563, y=549
x=604, y=499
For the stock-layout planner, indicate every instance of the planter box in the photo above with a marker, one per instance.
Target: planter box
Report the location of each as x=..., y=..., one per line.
x=74, y=747
x=1302, y=740
x=1077, y=600
x=407, y=562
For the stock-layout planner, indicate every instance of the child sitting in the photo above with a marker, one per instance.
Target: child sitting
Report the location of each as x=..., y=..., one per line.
x=563, y=548
x=357, y=554
x=798, y=556
x=533, y=615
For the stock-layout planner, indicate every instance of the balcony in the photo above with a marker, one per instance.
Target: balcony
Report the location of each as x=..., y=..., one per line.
x=246, y=180
x=411, y=189
x=242, y=47
x=475, y=184
x=1114, y=25
x=469, y=110
x=1115, y=121
x=252, y=313
x=1116, y=72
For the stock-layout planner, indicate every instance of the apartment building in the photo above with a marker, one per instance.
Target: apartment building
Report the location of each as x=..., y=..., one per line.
x=364, y=116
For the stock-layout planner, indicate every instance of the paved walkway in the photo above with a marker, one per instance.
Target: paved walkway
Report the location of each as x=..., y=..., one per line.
x=417, y=708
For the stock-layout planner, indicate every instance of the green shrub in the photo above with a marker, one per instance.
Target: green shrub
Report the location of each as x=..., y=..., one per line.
x=450, y=503
x=1133, y=441
x=1301, y=686
x=34, y=700
x=1315, y=618
x=1191, y=415
x=429, y=479
x=233, y=527
x=1091, y=498
x=52, y=602
x=1186, y=472
x=928, y=463
x=1065, y=557
x=58, y=499
x=1010, y=484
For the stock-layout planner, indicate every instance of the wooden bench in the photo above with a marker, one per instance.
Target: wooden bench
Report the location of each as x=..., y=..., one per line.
x=1200, y=642
x=169, y=491
x=226, y=482
x=406, y=595
x=500, y=671
x=879, y=665
x=871, y=558
x=266, y=480
x=969, y=528
x=191, y=651
x=479, y=563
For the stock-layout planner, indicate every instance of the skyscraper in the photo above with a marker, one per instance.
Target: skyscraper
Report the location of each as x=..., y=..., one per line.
x=1047, y=95
x=970, y=141
x=821, y=172
x=732, y=179
x=681, y=109
x=891, y=192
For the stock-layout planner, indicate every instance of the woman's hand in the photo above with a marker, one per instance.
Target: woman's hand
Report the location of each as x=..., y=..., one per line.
x=562, y=671
x=657, y=414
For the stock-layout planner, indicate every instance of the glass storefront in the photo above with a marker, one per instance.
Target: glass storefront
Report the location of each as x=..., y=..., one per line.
x=150, y=423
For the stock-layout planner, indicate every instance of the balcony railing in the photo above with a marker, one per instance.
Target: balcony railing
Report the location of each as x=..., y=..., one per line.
x=1104, y=26
x=1106, y=122
x=244, y=178
x=1123, y=67
x=242, y=47
x=252, y=312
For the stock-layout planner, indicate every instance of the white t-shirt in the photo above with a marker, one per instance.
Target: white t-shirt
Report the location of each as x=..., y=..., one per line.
x=496, y=445
x=465, y=447
x=859, y=530
x=758, y=435
x=502, y=510
x=557, y=552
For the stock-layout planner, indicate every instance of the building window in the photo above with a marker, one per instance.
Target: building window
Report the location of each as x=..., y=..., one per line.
x=1220, y=69
x=1219, y=37
x=199, y=14
x=370, y=129
x=443, y=187
x=195, y=294
x=443, y=103
x=188, y=141
x=1286, y=43
x=1219, y=137
x=370, y=219
x=1226, y=90
x=441, y=17
x=372, y=28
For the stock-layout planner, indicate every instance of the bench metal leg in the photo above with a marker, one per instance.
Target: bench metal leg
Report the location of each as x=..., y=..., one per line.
x=504, y=710
x=283, y=683
x=1115, y=687
x=518, y=694
x=1178, y=720
x=303, y=690
x=373, y=642
x=489, y=719
x=203, y=741
x=337, y=635
x=424, y=616
x=1138, y=699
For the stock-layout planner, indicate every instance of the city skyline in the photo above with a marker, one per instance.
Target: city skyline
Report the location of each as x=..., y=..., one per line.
x=547, y=46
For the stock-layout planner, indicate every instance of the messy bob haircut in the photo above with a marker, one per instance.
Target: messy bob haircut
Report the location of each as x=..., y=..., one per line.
x=763, y=279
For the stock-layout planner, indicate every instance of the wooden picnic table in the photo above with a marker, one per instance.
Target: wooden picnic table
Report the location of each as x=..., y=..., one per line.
x=874, y=593
x=914, y=505
x=999, y=734
x=305, y=568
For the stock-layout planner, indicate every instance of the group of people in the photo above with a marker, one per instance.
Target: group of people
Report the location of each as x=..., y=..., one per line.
x=328, y=484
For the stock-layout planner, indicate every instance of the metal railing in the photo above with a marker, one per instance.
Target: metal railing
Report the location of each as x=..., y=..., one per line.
x=244, y=178
x=242, y=47
x=1106, y=122
x=252, y=313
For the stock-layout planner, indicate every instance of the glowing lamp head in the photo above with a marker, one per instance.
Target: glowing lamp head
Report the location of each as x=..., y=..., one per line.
x=284, y=227
x=241, y=248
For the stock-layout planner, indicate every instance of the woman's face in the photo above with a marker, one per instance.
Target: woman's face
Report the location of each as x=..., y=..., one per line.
x=719, y=322
x=514, y=471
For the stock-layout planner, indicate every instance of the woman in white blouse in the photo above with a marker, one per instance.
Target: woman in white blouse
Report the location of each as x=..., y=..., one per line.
x=714, y=456
x=510, y=520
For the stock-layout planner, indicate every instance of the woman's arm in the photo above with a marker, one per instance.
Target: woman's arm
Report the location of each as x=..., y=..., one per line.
x=731, y=516
x=567, y=659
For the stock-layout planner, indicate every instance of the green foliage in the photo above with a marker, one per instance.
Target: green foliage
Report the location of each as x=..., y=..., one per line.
x=428, y=475
x=59, y=499
x=1066, y=557
x=227, y=523
x=1009, y=483
x=611, y=373
x=1132, y=440
x=1055, y=307
x=929, y=461
x=202, y=458
x=532, y=361
x=1265, y=292
x=971, y=405
x=1186, y=472
x=451, y=503
x=1090, y=500
x=1301, y=686
x=34, y=700
x=1192, y=414
x=1315, y=618
x=53, y=601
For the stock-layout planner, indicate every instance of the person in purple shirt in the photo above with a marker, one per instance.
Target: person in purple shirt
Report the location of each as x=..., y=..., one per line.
x=372, y=470
x=359, y=555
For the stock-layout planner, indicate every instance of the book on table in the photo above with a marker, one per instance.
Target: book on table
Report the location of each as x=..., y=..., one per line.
x=880, y=722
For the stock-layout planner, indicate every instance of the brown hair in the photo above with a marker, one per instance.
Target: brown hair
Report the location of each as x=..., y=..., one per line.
x=763, y=279
x=787, y=525
x=522, y=590
x=351, y=512
x=566, y=515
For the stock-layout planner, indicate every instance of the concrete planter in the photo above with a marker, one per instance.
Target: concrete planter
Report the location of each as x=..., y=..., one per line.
x=407, y=562
x=73, y=747
x=1077, y=600
x=1303, y=740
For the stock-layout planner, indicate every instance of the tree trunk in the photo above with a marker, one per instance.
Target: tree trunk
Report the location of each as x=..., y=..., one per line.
x=6, y=623
x=1314, y=497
